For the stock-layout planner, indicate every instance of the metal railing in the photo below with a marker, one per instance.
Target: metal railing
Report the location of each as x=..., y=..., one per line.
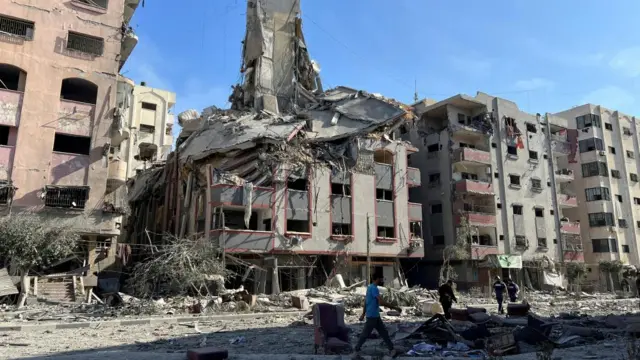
x=86, y=44
x=70, y=197
x=15, y=27
x=564, y=172
x=97, y=3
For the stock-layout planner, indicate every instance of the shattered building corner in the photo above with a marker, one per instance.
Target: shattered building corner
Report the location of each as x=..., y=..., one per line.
x=293, y=183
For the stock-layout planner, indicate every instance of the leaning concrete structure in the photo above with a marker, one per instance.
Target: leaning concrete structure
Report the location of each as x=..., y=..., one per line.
x=293, y=183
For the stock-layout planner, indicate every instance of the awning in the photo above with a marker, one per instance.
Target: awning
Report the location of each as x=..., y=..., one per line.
x=502, y=261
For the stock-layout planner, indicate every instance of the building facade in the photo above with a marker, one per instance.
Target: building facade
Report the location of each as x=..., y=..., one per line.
x=483, y=159
x=59, y=64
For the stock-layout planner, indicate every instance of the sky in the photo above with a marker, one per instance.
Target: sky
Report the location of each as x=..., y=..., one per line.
x=545, y=55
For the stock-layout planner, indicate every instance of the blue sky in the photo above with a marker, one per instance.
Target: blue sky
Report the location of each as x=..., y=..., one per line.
x=545, y=55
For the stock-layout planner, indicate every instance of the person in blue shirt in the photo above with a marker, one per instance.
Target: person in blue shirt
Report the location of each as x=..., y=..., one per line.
x=499, y=287
x=512, y=290
x=373, y=321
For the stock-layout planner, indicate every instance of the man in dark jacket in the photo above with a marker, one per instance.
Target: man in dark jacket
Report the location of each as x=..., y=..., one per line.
x=499, y=287
x=512, y=290
x=447, y=297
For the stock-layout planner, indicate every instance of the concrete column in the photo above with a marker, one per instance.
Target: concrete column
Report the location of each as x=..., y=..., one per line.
x=302, y=279
x=275, y=278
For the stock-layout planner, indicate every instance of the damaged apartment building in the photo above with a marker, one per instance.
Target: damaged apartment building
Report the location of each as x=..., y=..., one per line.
x=59, y=65
x=510, y=174
x=294, y=184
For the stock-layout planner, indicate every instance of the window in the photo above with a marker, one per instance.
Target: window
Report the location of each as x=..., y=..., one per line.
x=97, y=3
x=608, y=126
x=625, y=248
x=539, y=212
x=297, y=184
x=467, y=176
x=340, y=189
x=521, y=241
x=633, y=177
x=612, y=150
x=536, y=185
x=496, y=175
x=619, y=197
x=434, y=179
x=517, y=209
x=551, y=212
x=501, y=237
x=512, y=150
x=531, y=128
x=415, y=228
x=149, y=129
x=297, y=226
x=604, y=245
x=85, y=43
x=622, y=223
x=386, y=232
x=67, y=197
x=638, y=224
x=464, y=145
x=590, y=145
x=542, y=242
x=533, y=155
x=436, y=208
x=514, y=180
x=615, y=174
x=434, y=148
x=438, y=239
x=494, y=145
x=382, y=194
x=4, y=135
x=80, y=145
x=636, y=201
x=16, y=27
x=601, y=219
x=588, y=120
x=626, y=131
x=499, y=206
x=630, y=154
x=148, y=106
x=339, y=229
x=596, y=168
x=462, y=119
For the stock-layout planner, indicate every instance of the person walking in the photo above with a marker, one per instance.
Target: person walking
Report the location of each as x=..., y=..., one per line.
x=512, y=290
x=499, y=287
x=447, y=297
x=373, y=321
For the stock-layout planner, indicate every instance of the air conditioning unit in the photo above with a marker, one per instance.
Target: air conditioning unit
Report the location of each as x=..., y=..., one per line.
x=602, y=153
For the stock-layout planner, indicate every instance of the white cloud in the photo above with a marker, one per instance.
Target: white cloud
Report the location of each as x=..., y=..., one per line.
x=627, y=61
x=611, y=97
x=471, y=65
x=535, y=84
x=561, y=56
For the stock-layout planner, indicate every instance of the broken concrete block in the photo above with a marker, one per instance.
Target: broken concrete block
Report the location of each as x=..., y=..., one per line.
x=459, y=314
x=479, y=317
x=518, y=309
x=250, y=300
x=300, y=302
x=209, y=353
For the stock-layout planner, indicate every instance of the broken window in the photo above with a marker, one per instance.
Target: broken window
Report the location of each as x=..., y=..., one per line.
x=619, y=197
x=85, y=43
x=341, y=229
x=234, y=220
x=438, y=239
x=79, y=90
x=517, y=209
x=298, y=226
x=340, y=189
x=72, y=144
x=415, y=228
x=604, y=245
x=467, y=176
x=512, y=150
x=297, y=184
x=542, y=242
x=588, y=120
x=4, y=135
x=434, y=179
x=622, y=223
x=12, y=78
x=633, y=177
x=382, y=194
x=521, y=241
x=531, y=128
x=97, y=3
x=6, y=192
x=591, y=144
x=536, y=184
x=150, y=129
x=383, y=157
x=433, y=148
x=608, y=126
x=626, y=131
x=539, y=212
x=630, y=154
x=514, y=180
x=462, y=119
x=436, y=208
x=148, y=106
x=533, y=155
x=16, y=27
x=266, y=224
x=386, y=232
x=612, y=150
x=615, y=174
x=68, y=197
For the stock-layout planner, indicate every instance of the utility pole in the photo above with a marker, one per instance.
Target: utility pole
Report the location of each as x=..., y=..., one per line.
x=368, y=249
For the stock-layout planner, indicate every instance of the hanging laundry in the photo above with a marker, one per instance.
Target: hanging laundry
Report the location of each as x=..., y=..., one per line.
x=520, y=143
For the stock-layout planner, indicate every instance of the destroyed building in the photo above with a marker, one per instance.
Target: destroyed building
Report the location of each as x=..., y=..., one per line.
x=293, y=183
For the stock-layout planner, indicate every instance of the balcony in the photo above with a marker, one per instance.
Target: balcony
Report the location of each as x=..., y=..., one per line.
x=478, y=252
x=6, y=161
x=471, y=157
x=477, y=127
x=75, y=118
x=413, y=177
x=559, y=145
x=567, y=201
x=243, y=240
x=572, y=255
x=117, y=175
x=69, y=169
x=415, y=212
x=10, y=107
x=477, y=217
x=475, y=187
x=569, y=227
x=233, y=195
x=564, y=175
x=384, y=176
x=130, y=7
x=129, y=42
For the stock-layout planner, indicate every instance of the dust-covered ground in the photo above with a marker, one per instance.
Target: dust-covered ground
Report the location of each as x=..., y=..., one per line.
x=272, y=335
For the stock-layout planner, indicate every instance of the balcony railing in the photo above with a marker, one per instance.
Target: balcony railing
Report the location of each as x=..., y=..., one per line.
x=478, y=252
x=468, y=155
x=415, y=212
x=564, y=175
x=566, y=200
x=19, y=28
x=85, y=43
x=474, y=186
x=569, y=227
x=75, y=117
x=11, y=105
x=413, y=177
x=476, y=215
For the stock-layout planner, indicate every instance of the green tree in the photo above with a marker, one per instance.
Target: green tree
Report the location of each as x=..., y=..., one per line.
x=576, y=272
x=28, y=242
x=608, y=268
x=459, y=250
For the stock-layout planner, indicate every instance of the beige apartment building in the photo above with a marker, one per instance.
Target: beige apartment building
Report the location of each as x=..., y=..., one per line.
x=145, y=136
x=59, y=64
x=606, y=174
x=507, y=173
